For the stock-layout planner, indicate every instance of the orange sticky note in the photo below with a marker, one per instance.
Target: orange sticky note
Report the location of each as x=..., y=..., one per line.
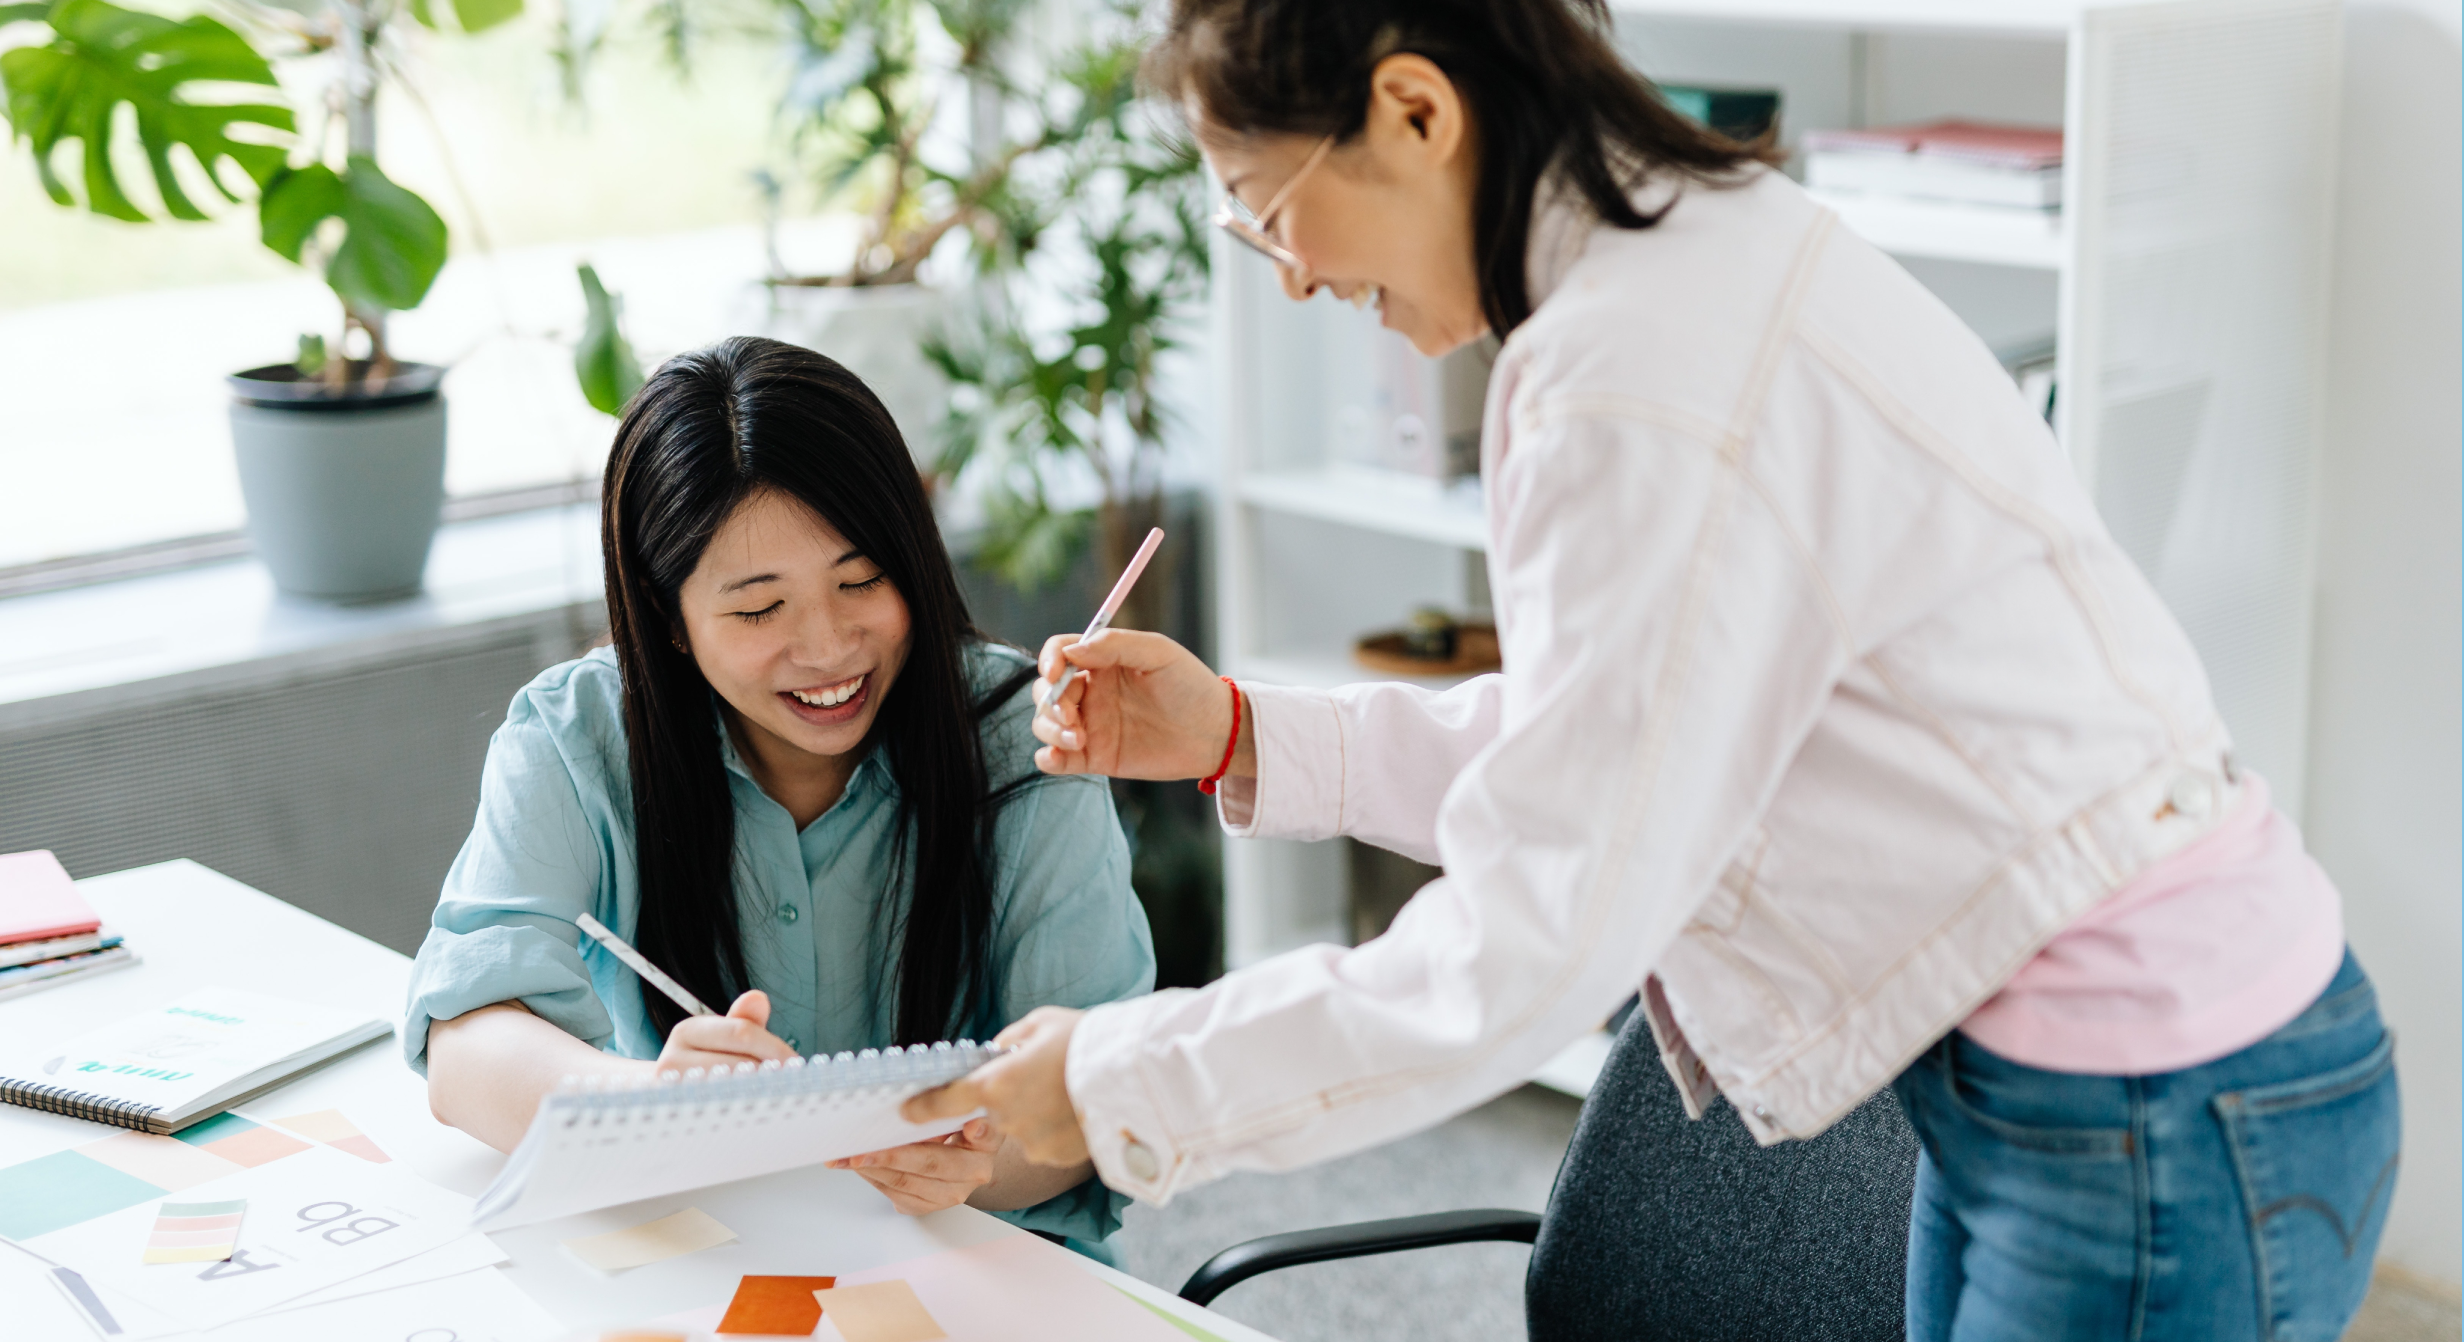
x=777, y=1306
x=879, y=1311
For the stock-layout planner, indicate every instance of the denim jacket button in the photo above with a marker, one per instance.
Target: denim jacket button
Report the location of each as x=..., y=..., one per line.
x=2191, y=796
x=1141, y=1162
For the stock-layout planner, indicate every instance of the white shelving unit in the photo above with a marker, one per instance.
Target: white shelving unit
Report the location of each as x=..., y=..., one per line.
x=2184, y=281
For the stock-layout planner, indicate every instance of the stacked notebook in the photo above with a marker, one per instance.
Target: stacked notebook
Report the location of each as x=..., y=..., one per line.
x=1964, y=162
x=48, y=935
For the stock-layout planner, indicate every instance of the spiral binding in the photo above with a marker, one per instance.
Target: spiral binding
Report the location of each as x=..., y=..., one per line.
x=78, y=1104
x=822, y=1076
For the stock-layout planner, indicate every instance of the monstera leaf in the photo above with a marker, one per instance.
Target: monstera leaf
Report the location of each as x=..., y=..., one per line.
x=102, y=58
x=392, y=242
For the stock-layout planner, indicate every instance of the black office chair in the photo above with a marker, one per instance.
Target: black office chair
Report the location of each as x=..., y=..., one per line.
x=1663, y=1228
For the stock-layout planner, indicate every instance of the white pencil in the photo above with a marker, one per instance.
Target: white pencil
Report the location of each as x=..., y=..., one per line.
x=1112, y=603
x=651, y=974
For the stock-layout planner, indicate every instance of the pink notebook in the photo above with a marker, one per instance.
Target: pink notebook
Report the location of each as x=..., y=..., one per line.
x=2022, y=148
x=38, y=900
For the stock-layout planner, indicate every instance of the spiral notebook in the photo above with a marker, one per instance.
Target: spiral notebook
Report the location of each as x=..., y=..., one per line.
x=594, y=1144
x=183, y=1061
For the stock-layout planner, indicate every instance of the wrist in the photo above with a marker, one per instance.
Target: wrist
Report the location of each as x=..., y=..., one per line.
x=1245, y=742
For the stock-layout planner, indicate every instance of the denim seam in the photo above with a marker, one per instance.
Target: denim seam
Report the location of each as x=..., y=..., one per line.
x=2143, y=1210
x=2102, y=1142
x=2331, y=1013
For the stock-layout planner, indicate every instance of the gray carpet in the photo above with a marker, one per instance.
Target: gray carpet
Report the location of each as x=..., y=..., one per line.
x=1503, y=1154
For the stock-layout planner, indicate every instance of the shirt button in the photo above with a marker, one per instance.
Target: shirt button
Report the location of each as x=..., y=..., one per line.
x=796, y=1044
x=1762, y=1113
x=788, y=913
x=1141, y=1162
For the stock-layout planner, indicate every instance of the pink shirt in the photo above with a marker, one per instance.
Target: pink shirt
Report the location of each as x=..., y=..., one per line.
x=2204, y=954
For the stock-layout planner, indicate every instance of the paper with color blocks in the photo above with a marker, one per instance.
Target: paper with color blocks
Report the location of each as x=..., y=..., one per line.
x=775, y=1306
x=114, y=1173
x=1019, y=1288
x=195, y=1232
x=878, y=1311
x=689, y=1231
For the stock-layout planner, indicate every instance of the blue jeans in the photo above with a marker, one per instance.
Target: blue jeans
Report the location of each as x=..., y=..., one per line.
x=2242, y=1198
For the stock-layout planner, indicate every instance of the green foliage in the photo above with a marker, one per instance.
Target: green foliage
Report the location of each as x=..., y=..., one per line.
x=311, y=360
x=392, y=243
x=1122, y=222
x=469, y=15
x=101, y=58
x=604, y=360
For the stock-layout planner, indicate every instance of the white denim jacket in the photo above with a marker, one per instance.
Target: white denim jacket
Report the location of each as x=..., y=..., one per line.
x=1827, y=701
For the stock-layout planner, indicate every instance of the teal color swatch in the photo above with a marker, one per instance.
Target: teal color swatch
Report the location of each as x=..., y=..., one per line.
x=214, y=1129
x=43, y=1195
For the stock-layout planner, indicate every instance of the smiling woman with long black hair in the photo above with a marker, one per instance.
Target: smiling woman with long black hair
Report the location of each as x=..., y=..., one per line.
x=799, y=781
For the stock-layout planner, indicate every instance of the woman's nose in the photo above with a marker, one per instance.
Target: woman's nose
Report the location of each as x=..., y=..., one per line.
x=1300, y=283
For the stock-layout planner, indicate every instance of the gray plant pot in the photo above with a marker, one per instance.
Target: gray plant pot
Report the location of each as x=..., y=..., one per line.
x=343, y=492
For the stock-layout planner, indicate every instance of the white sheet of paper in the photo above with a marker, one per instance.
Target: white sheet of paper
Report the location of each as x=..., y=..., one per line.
x=467, y=1254
x=477, y=1306
x=318, y=1217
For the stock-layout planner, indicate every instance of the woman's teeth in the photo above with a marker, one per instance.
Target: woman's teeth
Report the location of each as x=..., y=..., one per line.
x=829, y=696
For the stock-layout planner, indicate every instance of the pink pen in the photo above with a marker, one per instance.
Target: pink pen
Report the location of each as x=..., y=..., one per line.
x=1112, y=603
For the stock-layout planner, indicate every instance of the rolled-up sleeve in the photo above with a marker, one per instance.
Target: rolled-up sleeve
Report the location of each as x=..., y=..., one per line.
x=504, y=928
x=1370, y=761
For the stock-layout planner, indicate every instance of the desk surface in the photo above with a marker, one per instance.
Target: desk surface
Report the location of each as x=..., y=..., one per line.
x=195, y=927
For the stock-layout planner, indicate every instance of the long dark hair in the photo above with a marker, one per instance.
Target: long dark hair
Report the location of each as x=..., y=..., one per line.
x=1544, y=84
x=708, y=430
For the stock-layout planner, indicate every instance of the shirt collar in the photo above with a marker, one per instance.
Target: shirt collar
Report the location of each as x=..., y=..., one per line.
x=869, y=771
x=1563, y=221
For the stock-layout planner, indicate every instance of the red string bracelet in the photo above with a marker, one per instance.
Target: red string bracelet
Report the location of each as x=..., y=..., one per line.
x=1207, y=784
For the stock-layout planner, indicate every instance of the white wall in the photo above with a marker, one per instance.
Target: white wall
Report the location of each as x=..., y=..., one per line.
x=2386, y=747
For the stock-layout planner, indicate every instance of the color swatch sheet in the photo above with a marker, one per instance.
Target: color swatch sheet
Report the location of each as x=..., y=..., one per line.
x=1018, y=1288
x=324, y=1206
x=472, y=1306
x=195, y=1232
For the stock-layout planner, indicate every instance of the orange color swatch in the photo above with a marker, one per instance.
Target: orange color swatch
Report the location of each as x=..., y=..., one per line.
x=257, y=1146
x=330, y=1127
x=776, y=1306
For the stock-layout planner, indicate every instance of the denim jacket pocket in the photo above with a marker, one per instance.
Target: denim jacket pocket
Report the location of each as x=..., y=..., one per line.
x=2316, y=1158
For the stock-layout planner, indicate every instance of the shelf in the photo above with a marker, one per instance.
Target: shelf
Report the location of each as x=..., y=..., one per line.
x=1324, y=672
x=2000, y=236
x=2018, y=18
x=1388, y=502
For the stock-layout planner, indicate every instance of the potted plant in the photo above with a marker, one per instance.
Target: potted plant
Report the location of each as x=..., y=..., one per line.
x=341, y=452
x=1121, y=253
x=913, y=113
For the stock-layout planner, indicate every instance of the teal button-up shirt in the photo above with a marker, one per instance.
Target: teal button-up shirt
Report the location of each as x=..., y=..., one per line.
x=554, y=838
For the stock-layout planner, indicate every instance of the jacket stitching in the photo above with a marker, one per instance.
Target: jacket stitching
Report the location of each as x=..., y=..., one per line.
x=2023, y=852
x=1642, y=775
x=2061, y=547
x=1942, y=730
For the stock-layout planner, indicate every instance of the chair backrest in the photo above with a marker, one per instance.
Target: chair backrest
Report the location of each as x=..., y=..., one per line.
x=1668, y=1229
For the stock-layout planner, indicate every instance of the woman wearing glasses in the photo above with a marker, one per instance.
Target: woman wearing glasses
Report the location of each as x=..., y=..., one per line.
x=1832, y=721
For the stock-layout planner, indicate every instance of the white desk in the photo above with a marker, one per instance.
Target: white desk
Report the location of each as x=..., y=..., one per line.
x=195, y=927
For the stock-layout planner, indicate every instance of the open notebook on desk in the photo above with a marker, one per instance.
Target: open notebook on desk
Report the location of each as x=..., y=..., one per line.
x=596, y=1145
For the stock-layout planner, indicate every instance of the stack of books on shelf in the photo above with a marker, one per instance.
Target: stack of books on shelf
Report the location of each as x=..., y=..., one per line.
x=48, y=934
x=1962, y=162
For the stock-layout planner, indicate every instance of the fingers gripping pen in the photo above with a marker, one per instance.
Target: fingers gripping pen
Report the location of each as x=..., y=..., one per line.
x=1112, y=605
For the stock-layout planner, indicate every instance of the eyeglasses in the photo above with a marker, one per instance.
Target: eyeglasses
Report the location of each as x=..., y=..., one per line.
x=1254, y=229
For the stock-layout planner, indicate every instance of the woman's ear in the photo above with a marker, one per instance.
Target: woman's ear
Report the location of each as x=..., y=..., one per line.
x=1411, y=99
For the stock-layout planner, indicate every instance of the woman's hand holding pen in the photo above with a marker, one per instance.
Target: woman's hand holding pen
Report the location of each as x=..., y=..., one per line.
x=720, y=1042
x=1142, y=706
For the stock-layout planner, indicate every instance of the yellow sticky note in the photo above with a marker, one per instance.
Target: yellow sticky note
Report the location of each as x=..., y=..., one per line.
x=689, y=1231
x=878, y=1311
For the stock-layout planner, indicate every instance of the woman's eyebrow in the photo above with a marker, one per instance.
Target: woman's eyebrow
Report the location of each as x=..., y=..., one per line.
x=741, y=583
x=844, y=559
